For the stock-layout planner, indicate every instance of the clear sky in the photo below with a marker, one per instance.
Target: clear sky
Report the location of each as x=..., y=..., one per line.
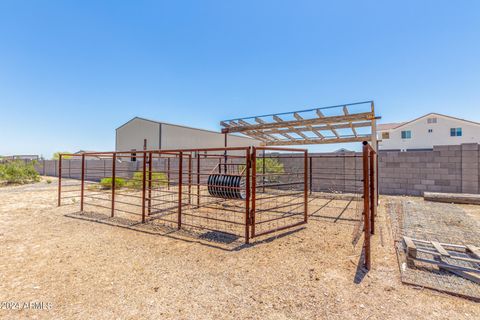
x=73, y=71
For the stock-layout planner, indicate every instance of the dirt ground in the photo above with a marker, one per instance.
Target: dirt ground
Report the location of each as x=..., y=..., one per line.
x=82, y=269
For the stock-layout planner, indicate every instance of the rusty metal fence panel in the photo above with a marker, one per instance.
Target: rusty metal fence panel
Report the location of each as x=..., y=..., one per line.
x=241, y=192
x=279, y=191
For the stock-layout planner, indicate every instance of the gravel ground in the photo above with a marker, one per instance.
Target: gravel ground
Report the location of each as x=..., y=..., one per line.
x=435, y=221
x=92, y=270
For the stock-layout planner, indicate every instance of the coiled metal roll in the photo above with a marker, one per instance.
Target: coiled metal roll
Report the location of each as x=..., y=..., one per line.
x=226, y=186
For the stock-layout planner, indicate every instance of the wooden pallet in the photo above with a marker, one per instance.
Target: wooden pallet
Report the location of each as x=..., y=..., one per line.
x=446, y=256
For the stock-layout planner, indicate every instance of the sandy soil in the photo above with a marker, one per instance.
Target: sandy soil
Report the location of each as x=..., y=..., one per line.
x=91, y=270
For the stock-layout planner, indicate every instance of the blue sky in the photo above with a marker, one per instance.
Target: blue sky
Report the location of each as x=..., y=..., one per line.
x=73, y=71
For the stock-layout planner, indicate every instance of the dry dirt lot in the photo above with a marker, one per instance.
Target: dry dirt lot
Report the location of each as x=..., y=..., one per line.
x=92, y=270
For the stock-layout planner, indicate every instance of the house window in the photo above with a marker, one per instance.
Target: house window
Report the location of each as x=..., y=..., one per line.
x=431, y=120
x=455, y=132
x=385, y=135
x=406, y=134
x=133, y=155
x=430, y=130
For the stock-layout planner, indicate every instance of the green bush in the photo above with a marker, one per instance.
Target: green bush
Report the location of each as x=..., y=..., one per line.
x=271, y=166
x=158, y=179
x=18, y=172
x=106, y=183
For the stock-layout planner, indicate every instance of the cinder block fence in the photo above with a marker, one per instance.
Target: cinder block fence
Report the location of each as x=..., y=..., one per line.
x=452, y=169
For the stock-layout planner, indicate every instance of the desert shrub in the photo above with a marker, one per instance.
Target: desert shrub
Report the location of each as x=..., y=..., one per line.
x=271, y=165
x=49, y=181
x=18, y=172
x=106, y=183
x=158, y=179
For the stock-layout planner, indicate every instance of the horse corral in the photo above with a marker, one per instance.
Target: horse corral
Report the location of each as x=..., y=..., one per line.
x=231, y=194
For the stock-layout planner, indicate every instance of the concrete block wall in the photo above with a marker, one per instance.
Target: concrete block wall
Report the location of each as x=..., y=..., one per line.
x=331, y=172
x=470, y=165
x=452, y=169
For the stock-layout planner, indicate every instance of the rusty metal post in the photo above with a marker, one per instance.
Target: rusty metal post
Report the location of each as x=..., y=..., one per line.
x=305, y=187
x=189, y=178
x=198, y=179
x=310, y=170
x=247, y=197
x=59, y=178
x=376, y=174
x=366, y=206
x=372, y=191
x=168, y=173
x=263, y=170
x=144, y=177
x=254, y=190
x=82, y=187
x=150, y=182
x=114, y=160
x=180, y=177
x=225, y=153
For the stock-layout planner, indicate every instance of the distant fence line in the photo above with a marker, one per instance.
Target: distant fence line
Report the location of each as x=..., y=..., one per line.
x=452, y=169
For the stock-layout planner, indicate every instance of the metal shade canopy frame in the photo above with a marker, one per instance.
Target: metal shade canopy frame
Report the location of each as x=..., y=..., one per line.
x=312, y=126
x=350, y=122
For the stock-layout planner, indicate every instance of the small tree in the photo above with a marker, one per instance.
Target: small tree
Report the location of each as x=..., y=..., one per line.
x=65, y=155
x=271, y=166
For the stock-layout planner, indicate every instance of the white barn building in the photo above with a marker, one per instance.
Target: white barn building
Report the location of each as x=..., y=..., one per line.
x=430, y=130
x=165, y=136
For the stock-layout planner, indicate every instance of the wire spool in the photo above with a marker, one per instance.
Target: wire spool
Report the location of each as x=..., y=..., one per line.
x=226, y=186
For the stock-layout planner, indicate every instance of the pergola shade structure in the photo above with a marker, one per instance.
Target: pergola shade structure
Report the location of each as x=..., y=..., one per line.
x=349, y=122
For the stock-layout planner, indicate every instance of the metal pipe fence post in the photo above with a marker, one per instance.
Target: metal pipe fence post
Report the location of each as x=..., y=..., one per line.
x=59, y=180
x=114, y=160
x=168, y=173
x=180, y=176
x=82, y=188
x=189, y=178
x=263, y=170
x=376, y=175
x=198, y=179
x=150, y=182
x=372, y=191
x=305, y=186
x=144, y=177
x=247, y=197
x=366, y=206
x=225, y=153
x=310, y=174
x=254, y=189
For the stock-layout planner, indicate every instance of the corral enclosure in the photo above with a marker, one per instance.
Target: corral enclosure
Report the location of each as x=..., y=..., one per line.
x=242, y=192
x=223, y=194
x=206, y=189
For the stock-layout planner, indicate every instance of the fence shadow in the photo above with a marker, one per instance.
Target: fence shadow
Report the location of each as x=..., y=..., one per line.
x=211, y=238
x=361, y=272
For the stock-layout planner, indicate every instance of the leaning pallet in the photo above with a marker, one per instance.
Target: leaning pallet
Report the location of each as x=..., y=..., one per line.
x=461, y=260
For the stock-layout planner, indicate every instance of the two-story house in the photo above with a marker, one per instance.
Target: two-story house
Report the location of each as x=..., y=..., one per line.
x=430, y=130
